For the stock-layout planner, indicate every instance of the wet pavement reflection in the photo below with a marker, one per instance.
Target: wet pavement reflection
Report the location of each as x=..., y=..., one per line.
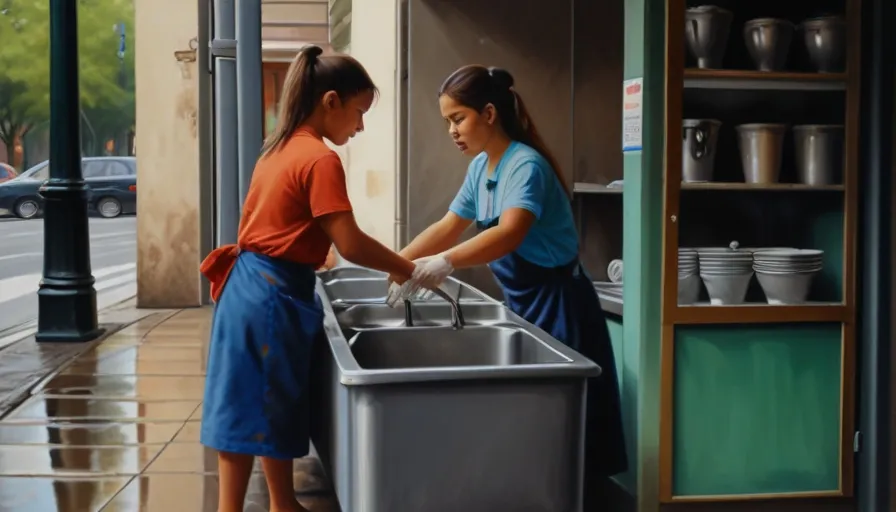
x=117, y=430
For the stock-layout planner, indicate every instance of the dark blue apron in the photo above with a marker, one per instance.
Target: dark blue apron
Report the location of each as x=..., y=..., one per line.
x=562, y=301
x=256, y=389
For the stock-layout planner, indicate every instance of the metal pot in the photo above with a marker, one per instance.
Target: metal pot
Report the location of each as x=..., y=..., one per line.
x=706, y=29
x=819, y=153
x=825, y=40
x=761, y=146
x=768, y=41
x=698, y=149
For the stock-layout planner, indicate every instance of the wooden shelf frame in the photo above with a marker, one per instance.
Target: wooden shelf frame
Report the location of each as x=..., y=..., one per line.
x=677, y=79
x=762, y=80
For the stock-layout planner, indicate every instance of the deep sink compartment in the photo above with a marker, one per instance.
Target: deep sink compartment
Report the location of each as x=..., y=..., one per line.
x=422, y=347
x=423, y=314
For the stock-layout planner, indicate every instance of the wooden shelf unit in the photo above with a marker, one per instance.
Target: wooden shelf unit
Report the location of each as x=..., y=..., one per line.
x=680, y=78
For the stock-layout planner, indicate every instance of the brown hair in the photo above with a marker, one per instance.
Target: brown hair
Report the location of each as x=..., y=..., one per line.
x=310, y=76
x=476, y=86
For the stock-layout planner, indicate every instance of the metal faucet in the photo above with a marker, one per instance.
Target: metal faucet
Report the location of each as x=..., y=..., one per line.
x=457, y=316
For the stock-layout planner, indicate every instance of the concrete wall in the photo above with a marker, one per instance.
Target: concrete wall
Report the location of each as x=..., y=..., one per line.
x=167, y=156
x=370, y=158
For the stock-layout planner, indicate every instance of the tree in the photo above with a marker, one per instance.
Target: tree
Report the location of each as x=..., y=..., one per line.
x=24, y=64
x=107, y=85
x=107, y=81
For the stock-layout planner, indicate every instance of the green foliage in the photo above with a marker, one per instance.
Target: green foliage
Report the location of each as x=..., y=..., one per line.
x=107, y=82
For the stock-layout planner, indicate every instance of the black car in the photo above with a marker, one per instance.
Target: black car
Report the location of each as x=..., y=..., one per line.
x=111, y=187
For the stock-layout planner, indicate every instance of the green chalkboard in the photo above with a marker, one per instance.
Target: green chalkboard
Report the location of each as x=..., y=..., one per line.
x=757, y=409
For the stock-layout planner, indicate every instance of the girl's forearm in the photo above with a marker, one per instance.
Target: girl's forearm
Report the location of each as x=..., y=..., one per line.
x=483, y=248
x=372, y=254
x=433, y=240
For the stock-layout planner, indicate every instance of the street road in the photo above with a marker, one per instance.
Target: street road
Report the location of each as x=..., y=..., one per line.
x=113, y=257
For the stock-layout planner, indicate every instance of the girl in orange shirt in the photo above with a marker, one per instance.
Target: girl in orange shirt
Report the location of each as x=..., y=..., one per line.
x=267, y=314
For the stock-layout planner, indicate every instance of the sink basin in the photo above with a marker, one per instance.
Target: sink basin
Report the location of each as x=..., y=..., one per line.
x=372, y=290
x=350, y=273
x=423, y=314
x=427, y=347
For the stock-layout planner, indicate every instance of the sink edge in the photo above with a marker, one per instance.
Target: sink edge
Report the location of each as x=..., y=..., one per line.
x=351, y=374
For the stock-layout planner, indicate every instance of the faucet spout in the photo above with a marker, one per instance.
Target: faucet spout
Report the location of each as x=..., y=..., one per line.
x=457, y=316
x=408, y=317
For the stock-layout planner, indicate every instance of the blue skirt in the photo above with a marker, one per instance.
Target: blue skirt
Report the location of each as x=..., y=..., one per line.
x=256, y=387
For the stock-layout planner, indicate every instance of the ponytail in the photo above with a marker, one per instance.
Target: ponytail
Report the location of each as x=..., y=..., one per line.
x=528, y=134
x=309, y=77
x=476, y=87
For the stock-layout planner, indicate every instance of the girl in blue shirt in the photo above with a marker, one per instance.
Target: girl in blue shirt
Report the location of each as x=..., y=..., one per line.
x=517, y=197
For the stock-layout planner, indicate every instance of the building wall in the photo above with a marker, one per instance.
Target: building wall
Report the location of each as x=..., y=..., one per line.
x=167, y=156
x=370, y=158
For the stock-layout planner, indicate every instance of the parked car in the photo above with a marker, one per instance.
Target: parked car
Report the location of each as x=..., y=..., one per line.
x=7, y=172
x=111, y=187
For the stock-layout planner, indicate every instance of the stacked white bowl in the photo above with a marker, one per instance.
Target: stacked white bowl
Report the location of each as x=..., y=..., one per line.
x=726, y=273
x=786, y=275
x=688, y=278
x=614, y=271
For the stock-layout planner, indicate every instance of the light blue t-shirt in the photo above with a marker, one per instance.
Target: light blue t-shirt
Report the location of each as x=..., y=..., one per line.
x=522, y=179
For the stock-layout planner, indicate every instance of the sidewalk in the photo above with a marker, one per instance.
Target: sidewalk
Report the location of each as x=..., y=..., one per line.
x=116, y=428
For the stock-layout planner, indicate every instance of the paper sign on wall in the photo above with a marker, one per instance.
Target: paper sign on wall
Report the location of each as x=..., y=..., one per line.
x=631, y=114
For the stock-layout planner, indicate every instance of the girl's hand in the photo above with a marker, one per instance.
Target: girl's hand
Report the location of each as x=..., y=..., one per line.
x=401, y=292
x=434, y=270
x=331, y=259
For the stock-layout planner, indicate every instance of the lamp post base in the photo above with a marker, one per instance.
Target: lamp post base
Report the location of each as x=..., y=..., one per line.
x=67, y=315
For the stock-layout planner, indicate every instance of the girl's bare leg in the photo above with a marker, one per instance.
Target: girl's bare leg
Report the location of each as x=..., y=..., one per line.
x=234, y=470
x=278, y=473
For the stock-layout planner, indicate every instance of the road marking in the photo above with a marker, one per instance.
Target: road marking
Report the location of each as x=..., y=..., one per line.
x=111, y=235
x=12, y=288
x=21, y=255
x=103, y=300
x=111, y=244
x=40, y=232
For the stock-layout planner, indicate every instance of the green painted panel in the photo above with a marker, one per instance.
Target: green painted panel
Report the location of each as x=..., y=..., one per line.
x=644, y=56
x=616, y=334
x=827, y=234
x=757, y=409
x=628, y=390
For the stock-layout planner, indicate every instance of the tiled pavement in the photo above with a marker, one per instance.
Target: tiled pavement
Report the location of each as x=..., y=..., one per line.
x=117, y=430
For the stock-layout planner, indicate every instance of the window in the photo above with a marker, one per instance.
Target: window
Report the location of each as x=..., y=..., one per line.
x=117, y=169
x=95, y=169
x=41, y=173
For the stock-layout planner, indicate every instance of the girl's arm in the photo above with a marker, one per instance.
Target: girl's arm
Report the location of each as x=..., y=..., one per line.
x=493, y=243
x=437, y=237
x=360, y=248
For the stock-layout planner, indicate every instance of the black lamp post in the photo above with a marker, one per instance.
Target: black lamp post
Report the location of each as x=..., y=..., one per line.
x=67, y=298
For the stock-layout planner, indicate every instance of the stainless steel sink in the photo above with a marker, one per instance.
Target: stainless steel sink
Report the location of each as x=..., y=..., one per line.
x=441, y=419
x=428, y=347
x=372, y=290
x=423, y=314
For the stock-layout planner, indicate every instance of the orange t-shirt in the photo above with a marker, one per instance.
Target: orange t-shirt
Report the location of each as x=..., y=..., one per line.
x=290, y=189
